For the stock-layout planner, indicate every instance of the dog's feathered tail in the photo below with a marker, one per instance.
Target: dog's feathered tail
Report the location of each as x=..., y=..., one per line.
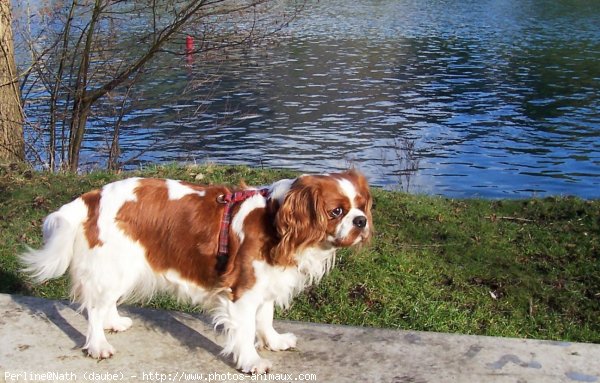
x=60, y=230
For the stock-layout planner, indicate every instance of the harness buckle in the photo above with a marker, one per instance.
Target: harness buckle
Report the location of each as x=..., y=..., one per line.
x=222, y=199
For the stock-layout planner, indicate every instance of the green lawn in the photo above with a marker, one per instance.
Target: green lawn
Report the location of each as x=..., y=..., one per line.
x=518, y=268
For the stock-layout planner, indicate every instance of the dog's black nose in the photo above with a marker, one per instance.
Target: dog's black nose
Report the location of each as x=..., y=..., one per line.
x=360, y=221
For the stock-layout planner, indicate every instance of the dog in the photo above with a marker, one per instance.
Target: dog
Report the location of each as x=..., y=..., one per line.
x=236, y=253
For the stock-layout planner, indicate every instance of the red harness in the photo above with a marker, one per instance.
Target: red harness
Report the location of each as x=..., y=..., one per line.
x=230, y=199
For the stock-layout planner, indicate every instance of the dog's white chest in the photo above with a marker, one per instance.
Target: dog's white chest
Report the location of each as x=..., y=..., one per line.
x=281, y=284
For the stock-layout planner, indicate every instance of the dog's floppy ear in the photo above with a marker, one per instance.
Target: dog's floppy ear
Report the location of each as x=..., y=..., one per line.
x=301, y=220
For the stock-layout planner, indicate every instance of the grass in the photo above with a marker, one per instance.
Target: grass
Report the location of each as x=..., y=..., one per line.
x=516, y=268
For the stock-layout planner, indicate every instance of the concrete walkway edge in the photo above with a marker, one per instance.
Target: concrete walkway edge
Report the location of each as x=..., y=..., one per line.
x=40, y=340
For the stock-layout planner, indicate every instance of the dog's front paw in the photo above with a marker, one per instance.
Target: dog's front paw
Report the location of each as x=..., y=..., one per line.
x=257, y=366
x=102, y=350
x=281, y=342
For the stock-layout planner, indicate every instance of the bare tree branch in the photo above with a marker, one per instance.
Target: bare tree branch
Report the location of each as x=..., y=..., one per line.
x=85, y=59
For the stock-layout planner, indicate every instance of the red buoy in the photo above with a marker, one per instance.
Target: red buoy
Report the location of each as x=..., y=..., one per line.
x=189, y=44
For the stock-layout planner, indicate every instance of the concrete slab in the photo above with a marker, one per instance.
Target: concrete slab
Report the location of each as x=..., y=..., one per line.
x=40, y=340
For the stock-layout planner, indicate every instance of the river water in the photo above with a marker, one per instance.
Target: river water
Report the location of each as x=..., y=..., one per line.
x=463, y=98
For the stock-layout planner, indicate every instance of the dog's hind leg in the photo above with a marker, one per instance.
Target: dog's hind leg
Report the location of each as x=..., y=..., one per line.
x=102, y=314
x=99, y=290
x=114, y=322
x=96, y=344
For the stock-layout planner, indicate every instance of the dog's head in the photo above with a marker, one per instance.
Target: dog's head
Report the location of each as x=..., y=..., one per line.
x=332, y=210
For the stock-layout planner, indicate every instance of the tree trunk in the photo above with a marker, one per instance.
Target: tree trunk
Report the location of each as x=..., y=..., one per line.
x=78, y=122
x=12, y=147
x=82, y=104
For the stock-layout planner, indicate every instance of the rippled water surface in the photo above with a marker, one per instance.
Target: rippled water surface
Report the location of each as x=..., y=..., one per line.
x=456, y=97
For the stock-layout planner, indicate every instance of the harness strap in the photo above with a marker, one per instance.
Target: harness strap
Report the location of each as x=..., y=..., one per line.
x=230, y=199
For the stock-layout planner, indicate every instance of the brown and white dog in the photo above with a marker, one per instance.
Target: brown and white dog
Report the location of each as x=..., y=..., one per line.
x=138, y=236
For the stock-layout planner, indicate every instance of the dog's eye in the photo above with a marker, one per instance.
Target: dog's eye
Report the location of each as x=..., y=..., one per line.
x=335, y=213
